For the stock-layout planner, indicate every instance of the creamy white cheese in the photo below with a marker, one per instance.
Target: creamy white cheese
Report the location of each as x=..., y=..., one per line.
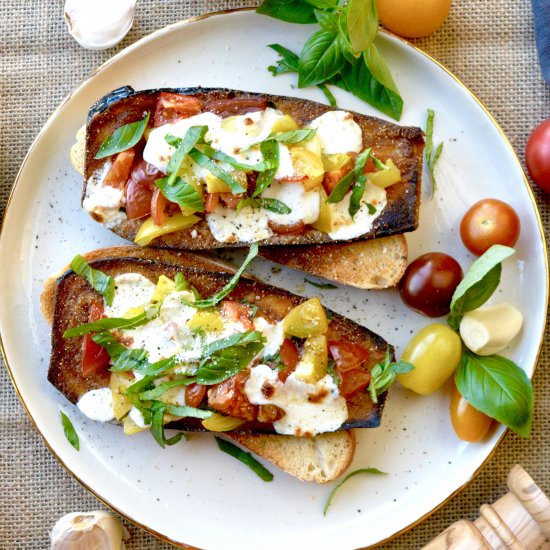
x=309, y=408
x=286, y=168
x=304, y=205
x=137, y=417
x=344, y=227
x=338, y=133
x=249, y=225
x=97, y=405
x=274, y=334
x=132, y=290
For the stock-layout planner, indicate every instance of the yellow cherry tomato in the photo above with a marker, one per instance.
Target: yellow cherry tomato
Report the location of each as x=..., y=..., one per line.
x=435, y=353
x=469, y=423
x=413, y=19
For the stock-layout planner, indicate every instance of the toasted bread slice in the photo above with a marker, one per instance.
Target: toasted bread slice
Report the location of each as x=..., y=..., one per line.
x=403, y=145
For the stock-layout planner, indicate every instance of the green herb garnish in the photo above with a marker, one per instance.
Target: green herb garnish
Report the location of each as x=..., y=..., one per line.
x=320, y=285
x=70, y=432
x=245, y=458
x=270, y=153
x=194, y=135
x=202, y=160
x=122, y=138
x=158, y=408
x=357, y=192
x=181, y=282
x=104, y=284
x=431, y=157
x=343, y=186
x=273, y=205
x=383, y=375
x=181, y=192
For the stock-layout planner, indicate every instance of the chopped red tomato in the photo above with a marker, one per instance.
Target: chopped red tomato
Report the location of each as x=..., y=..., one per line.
x=138, y=199
x=236, y=312
x=294, y=178
x=298, y=227
x=211, y=201
x=332, y=177
x=290, y=356
x=158, y=207
x=236, y=106
x=94, y=357
x=194, y=394
x=369, y=167
x=230, y=200
x=173, y=107
x=353, y=381
x=347, y=355
x=229, y=397
x=118, y=174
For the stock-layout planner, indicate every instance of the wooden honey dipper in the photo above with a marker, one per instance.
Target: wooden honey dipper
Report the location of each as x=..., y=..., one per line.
x=520, y=520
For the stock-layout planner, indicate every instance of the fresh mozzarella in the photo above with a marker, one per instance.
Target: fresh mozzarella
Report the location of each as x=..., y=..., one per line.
x=249, y=225
x=97, y=405
x=138, y=419
x=274, y=334
x=304, y=205
x=338, y=133
x=132, y=290
x=286, y=168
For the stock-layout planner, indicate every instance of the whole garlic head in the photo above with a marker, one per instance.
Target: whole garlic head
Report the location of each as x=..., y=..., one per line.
x=99, y=24
x=95, y=530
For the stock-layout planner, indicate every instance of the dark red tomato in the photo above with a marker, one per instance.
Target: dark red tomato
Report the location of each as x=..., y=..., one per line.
x=118, y=174
x=347, y=355
x=138, y=199
x=94, y=357
x=194, y=394
x=489, y=222
x=211, y=201
x=352, y=381
x=236, y=106
x=236, y=312
x=158, y=207
x=145, y=173
x=429, y=283
x=290, y=356
x=298, y=227
x=173, y=107
x=537, y=155
x=229, y=397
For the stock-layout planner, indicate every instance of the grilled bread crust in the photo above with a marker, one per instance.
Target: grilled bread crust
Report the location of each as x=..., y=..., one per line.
x=404, y=145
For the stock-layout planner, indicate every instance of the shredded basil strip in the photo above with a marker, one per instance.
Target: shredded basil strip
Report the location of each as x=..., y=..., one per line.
x=187, y=412
x=328, y=94
x=320, y=285
x=273, y=205
x=202, y=160
x=194, y=135
x=104, y=284
x=270, y=153
x=246, y=458
x=158, y=409
x=383, y=375
x=122, y=138
x=219, y=296
x=431, y=157
x=70, y=432
x=371, y=207
x=295, y=136
x=181, y=282
x=181, y=192
x=357, y=192
x=124, y=359
x=161, y=389
x=216, y=154
x=342, y=187
x=241, y=338
x=351, y=474
x=106, y=324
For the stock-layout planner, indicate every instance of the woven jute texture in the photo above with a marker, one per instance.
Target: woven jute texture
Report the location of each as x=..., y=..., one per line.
x=489, y=45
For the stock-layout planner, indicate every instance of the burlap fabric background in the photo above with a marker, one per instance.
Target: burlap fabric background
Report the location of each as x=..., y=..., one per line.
x=489, y=45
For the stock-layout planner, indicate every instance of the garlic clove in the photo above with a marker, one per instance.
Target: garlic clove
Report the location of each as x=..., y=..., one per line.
x=488, y=330
x=99, y=24
x=95, y=530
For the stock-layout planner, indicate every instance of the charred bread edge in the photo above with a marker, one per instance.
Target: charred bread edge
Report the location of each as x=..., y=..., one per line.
x=401, y=216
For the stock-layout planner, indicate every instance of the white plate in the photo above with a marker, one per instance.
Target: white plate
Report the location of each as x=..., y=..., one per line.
x=191, y=493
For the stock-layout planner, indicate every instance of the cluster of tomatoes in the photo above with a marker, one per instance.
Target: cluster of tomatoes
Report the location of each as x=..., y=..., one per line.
x=428, y=286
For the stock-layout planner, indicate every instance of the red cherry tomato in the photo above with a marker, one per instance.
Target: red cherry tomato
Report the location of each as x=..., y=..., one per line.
x=118, y=174
x=173, y=107
x=94, y=356
x=290, y=356
x=353, y=381
x=489, y=222
x=347, y=355
x=469, y=423
x=158, y=207
x=429, y=283
x=236, y=312
x=194, y=394
x=229, y=397
x=138, y=199
x=537, y=155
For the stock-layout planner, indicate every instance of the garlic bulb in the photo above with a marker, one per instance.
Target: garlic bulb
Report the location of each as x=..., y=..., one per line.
x=96, y=530
x=99, y=24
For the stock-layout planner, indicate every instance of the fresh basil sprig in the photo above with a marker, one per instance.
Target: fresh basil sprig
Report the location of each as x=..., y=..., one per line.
x=245, y=458
x=202, y=160
x=216, y=154
x=479, y=283
x=240, y=338
x=357, y=192
x=124, y=359
x=161, y=389
x=320, y=60
x=69, y=431
x=181, y=192
x=108, y=323
x=497, y=387
x=343, y=186
x=270, y=153
x=194, y=135
x=104, y=284
x=158, y=408
x=431, y=157
x=273, y=205
x=122, y=138
x=383, y=375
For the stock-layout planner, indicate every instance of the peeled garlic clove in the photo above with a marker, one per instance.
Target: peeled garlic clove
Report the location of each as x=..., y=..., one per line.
x=488, y=330
x=95, y=530
x=99, y=24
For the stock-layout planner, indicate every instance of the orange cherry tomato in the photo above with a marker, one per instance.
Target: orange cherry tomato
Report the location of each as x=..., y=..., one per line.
x=194, y=394
x=211, y=201
x=489, y=222
x=469, y=423
x=173, y=107
x=118, y=174
x=158, y=207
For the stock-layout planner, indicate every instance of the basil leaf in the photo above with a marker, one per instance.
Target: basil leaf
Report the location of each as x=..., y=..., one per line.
x=328, y=94
x=122, y=138
x=327, y=19
x=320, y=285
x=498, y=388
x=215, y=154
x=356, y=195
x=362, y=23
x=345, y=44
x=431, y=157
x=123, y=359
x=181, y=282
x=161, y=389
x=342, y=187
x=273, y=205
x=202, y=160
x=219, y=296
x=106, y=324
x=291, y=11
x=296, y=136
x=226, y=363
x=371, y=208
x=479, y=283
x=351, y=474
x=245, y=458
x=270, y=153
x=181, y=192
x=241, y=338
x=158, y=409
x=104, y=284
x=288, y=62
x=70, y=432
x=321, y=58
x=359, y=79
x=194, y=135
x=187, y=412
x=383, y=375
x=323, y=4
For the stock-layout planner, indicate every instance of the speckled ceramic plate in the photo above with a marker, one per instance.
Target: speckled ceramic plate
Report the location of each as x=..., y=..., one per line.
x=191, y=493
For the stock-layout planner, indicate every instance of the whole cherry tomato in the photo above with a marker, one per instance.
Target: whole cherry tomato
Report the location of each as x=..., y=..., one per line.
x=489, y=222
x=469, y=423
x=429, y=283
x=537, y=155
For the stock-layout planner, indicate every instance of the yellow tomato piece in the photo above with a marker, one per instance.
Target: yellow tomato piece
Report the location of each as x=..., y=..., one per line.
x=385, y=178
x=220, y=423
x=211, y=321
x=335, y=161
x=324, y=221
x=306, y=320
x=164, y=287
x=120, y=382
x=313, y=364
x=133, y=312
x=435, y=353
x=313, y=145
x=284, y=124
x=130, y=427
x=307, y=164
x=149, y=231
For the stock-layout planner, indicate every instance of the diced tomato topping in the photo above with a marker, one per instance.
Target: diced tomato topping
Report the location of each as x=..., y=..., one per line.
x=118, y=174
x=138, y=199
x=236, y=312
x=173, y=107
x=369, y=167
x=94, y=357
x=347, y=355
x=229, y=397
x=290, y=357
x=158, y=207
x=211, y=201
x=230, y=200
x=353, y=381
x=294, y=178
x=332, y=177
x=236, y=106
x=298, y=227
x=194, y=394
